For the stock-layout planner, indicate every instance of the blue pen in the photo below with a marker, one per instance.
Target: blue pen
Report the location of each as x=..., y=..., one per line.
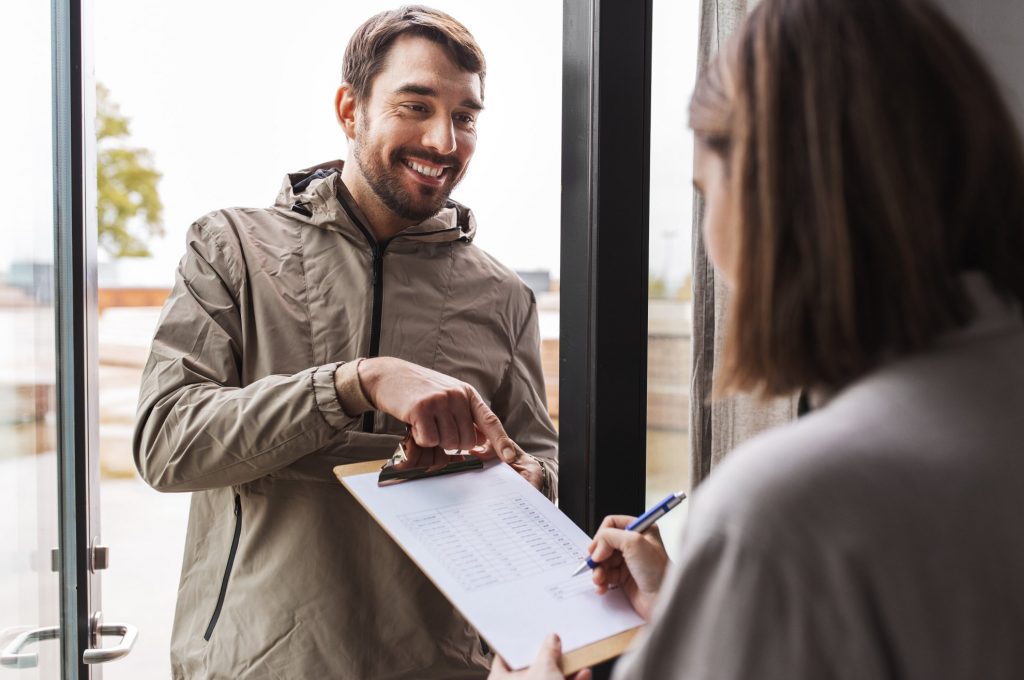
x=641, y=523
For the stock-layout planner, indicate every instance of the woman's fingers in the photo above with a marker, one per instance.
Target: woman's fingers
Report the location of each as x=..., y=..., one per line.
x=611, y=522
x=499, y=669
x=611, y=575
x=616, y=522
x=550, y=653
x=609, y=540
x=612, y=562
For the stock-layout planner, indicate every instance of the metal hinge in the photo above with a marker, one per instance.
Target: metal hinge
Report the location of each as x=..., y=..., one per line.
x=99, y=557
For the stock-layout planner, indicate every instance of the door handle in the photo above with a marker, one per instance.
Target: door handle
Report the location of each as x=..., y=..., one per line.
x=128, y=634
x=13, y=657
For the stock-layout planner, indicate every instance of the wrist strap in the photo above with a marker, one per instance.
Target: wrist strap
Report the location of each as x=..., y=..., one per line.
x=349, y=387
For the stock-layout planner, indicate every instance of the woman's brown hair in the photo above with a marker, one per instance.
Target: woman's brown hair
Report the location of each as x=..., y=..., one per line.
x=871, y=161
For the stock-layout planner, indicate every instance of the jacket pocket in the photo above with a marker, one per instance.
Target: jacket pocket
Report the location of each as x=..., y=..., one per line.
x=227, y=569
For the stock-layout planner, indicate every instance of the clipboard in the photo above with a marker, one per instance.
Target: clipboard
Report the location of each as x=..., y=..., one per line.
x=411, y=462
x=572, y=661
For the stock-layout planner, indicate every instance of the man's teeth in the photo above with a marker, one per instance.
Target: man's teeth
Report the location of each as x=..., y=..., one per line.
x=424, y=170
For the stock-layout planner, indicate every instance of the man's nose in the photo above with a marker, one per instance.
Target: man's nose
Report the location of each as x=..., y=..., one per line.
x=440, y=135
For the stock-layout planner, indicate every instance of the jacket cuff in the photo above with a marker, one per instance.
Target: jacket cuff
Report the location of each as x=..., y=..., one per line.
x=327, y=398
x=351, y=396
x=550, y=484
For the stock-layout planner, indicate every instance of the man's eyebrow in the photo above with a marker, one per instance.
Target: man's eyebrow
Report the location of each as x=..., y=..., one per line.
x=413, y=88
x=426, y=91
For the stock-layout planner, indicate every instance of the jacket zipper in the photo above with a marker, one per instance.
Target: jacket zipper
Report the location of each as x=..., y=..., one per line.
x=378, y=297
x=378, y=311
x=227, y=569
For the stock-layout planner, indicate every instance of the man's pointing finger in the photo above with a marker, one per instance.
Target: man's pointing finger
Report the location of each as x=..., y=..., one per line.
x=490, y=426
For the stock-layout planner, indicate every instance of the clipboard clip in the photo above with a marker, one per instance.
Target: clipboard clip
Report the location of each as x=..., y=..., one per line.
x=411, y=461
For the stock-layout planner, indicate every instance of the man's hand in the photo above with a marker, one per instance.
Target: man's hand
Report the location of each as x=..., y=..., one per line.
x=544, y=667
x=633, y=561
x=440, y=410
x=522, y=462
x=418, y=457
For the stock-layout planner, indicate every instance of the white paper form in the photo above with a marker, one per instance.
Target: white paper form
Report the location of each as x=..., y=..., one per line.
x=502, y=553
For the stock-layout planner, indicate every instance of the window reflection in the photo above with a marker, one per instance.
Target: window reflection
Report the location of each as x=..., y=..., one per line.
x=674, y=66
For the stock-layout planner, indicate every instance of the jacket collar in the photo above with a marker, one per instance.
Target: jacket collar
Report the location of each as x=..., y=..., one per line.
x=314, y=195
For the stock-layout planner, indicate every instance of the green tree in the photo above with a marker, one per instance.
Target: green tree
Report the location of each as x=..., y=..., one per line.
x=655, y=287
x=127, y=200
x=685, y=291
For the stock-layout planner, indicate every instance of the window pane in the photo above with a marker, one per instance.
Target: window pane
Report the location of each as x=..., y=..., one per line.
x=674, y=66
x=228, y=97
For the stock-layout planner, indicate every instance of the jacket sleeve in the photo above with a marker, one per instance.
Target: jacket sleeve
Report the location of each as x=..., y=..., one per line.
x=198, y=426
x=521, y=403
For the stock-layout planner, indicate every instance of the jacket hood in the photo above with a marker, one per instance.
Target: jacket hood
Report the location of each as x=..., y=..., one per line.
x=314, y=195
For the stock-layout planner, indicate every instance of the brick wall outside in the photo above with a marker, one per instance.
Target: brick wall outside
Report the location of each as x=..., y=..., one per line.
x=668, y=367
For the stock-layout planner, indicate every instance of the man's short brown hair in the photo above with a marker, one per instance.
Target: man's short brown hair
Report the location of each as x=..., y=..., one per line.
x=368, y=48
x=871, y=161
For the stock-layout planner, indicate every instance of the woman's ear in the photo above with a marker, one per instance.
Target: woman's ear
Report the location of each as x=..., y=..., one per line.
x=345, y=109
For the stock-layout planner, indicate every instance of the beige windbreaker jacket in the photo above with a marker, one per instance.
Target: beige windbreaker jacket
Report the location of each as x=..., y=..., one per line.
x=284, y=575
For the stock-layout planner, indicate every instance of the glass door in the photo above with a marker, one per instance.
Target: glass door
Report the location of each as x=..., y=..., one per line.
x=52, y=555
x=29, y=498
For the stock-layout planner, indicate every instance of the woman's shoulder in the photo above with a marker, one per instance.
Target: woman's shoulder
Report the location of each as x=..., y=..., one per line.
x=792, y=471
x=929, y=427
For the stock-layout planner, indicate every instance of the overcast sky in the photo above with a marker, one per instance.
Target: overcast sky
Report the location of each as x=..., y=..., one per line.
x=230, y=95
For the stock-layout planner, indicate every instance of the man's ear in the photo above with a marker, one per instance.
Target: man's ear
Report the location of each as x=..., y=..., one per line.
x=346, y=109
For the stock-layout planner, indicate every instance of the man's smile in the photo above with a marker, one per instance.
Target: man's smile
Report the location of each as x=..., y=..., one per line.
x=424, y=169
x=428, y=173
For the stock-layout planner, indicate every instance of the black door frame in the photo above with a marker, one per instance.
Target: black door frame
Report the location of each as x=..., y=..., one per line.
x=604, y=258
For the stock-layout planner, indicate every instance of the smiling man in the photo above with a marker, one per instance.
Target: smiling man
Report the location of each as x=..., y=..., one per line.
x=413, y=129
x=320, y=331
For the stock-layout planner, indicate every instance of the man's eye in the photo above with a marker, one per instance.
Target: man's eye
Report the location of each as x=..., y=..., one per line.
x=465, y=119
x=418, y=108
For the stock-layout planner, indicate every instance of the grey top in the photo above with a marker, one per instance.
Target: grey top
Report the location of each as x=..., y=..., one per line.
x=878, y=537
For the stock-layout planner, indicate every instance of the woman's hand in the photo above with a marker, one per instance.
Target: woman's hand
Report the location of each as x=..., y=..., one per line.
x=544, y=667
x=633, y=561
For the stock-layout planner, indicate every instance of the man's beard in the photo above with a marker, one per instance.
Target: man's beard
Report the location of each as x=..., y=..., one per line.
x=386, y=182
